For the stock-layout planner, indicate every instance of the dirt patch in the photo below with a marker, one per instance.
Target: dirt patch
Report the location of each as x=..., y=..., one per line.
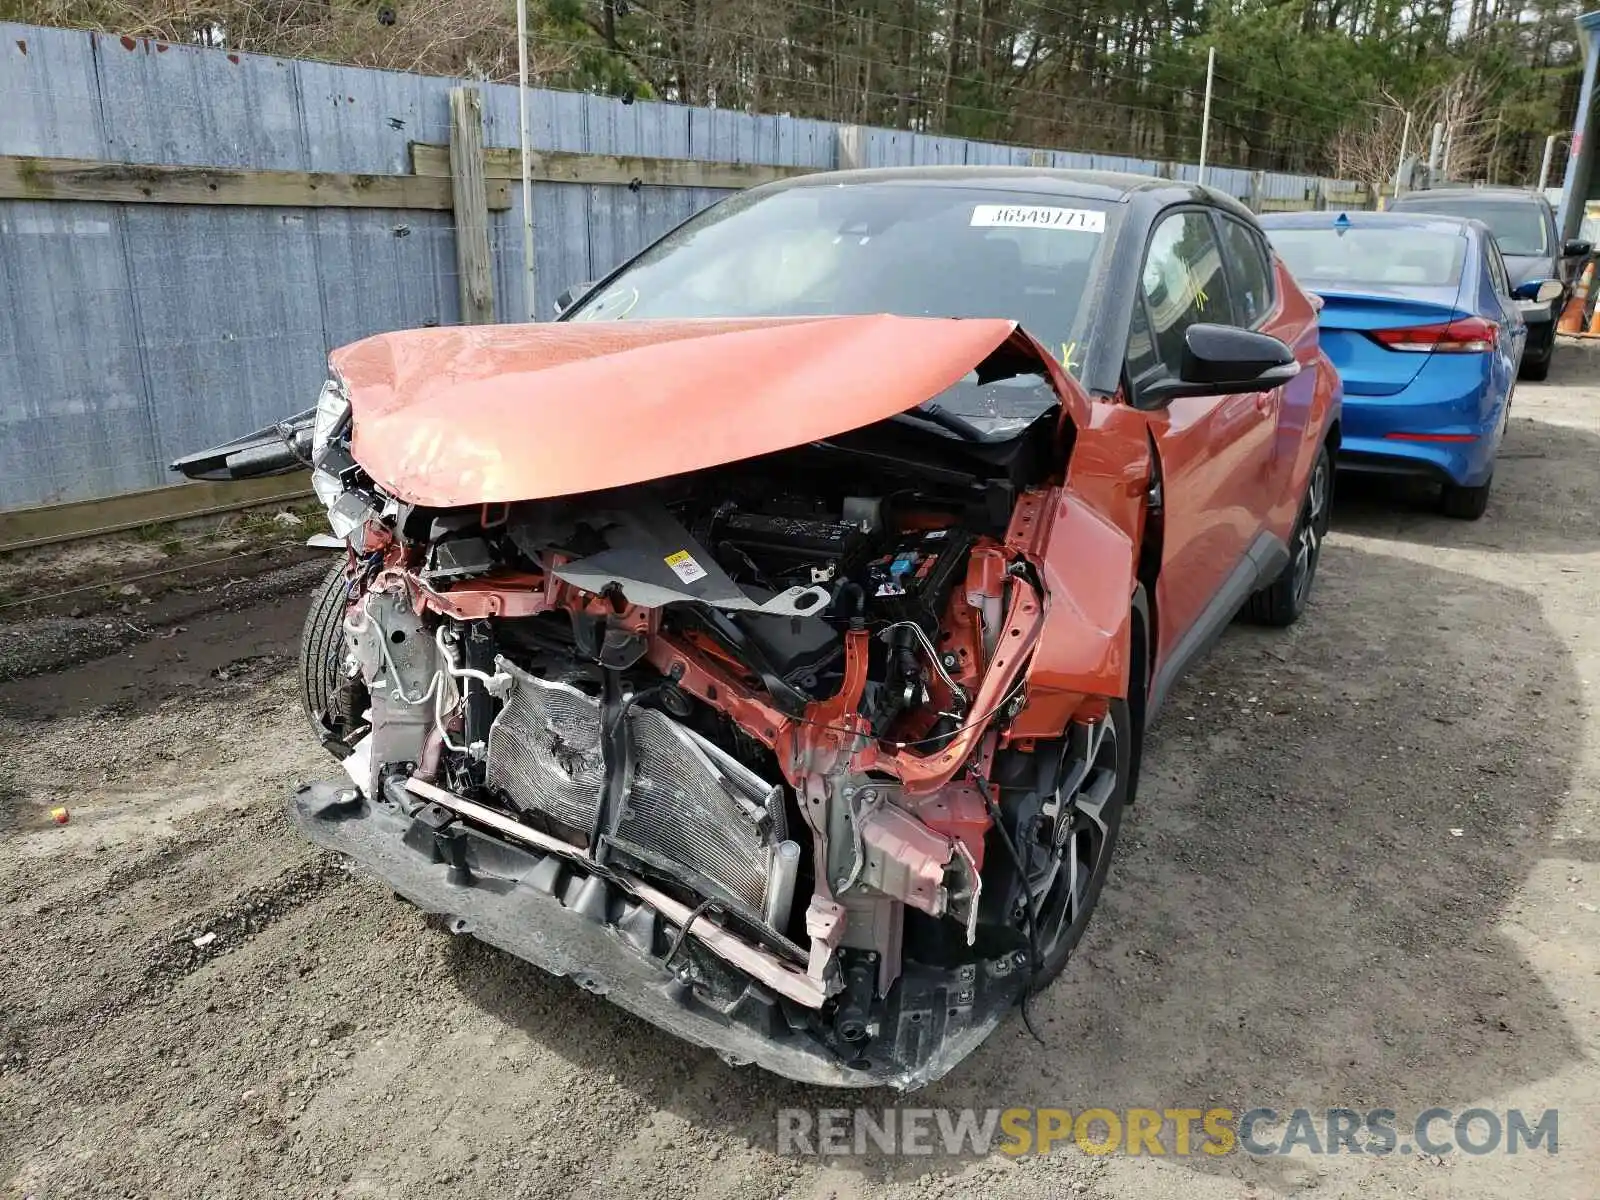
x=1363, y=871
x=33, y=642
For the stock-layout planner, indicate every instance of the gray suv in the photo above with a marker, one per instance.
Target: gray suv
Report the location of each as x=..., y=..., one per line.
x=1524, y=227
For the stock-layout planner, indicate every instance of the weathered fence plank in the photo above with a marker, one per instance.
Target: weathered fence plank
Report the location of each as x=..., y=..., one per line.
x=475, y=276
x=629, y=170
x=27, y=178
x=852, y=150
x=24, y=528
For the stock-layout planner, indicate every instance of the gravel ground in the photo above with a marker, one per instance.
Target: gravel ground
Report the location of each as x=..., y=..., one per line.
x=1364, y=870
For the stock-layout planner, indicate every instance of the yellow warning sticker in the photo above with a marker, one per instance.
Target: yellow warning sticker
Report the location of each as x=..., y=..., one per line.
x=684, y=566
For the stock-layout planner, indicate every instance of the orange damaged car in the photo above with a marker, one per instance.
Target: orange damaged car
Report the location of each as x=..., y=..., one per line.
x=767, y=643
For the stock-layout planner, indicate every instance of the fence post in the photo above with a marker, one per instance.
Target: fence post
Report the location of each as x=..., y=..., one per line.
x=1258, y=190
x=1319, y=199
x=471, y=206
x=852, y=149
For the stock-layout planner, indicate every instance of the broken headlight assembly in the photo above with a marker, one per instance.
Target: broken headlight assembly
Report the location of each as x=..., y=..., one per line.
x=332, y=467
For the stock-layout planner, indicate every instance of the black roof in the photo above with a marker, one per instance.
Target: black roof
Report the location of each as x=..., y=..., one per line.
x=1465, y=191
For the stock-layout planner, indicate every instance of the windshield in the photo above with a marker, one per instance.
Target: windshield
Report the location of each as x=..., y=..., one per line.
x=1372, y=257
x=910, y=249
x=1518, y=225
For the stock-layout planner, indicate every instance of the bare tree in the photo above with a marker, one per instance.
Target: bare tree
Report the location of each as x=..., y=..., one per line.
x=1367, y=148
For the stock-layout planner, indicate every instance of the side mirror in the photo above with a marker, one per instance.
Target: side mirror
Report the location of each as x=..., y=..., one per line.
x=1222, y=360
x=1539, y=291
x=571, y=296
x=1577, y=248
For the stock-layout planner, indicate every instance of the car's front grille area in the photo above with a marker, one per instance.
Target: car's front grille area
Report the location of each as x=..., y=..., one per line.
x=688, y=805
x=691, y=804
x=544, y=749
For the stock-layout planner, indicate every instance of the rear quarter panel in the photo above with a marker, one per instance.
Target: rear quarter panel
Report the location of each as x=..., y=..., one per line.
x=1309, y=409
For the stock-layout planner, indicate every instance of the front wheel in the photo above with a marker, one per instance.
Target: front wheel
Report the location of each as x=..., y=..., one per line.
x=322, y=656
x=1282, y=601
x=1076, y=839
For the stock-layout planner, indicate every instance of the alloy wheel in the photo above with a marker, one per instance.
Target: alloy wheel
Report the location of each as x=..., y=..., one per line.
x=1313, y=525
x=1081, y=833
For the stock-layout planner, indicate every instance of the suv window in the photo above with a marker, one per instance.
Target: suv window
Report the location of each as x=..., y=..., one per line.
x=1520, y=226
x=1183, y=283
x=1249, y=271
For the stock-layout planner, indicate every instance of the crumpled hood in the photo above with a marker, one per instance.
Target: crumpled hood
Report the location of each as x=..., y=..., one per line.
x=500, y=413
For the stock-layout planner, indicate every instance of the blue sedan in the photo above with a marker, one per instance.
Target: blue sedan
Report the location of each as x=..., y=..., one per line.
x=1420, y=320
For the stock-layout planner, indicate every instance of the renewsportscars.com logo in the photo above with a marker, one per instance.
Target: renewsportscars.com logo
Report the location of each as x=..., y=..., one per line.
x=1176, y=1132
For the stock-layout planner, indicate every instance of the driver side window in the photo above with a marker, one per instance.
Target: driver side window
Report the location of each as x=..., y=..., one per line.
x=1181, y=284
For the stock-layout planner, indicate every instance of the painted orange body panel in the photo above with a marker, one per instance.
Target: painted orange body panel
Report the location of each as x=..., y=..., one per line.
x=1234, y=467
x=501, y=413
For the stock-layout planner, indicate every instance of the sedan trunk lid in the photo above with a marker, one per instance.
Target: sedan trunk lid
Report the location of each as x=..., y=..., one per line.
x=1349, y=318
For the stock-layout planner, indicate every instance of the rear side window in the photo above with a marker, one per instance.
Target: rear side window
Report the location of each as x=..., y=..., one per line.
x=1249, y=270
x=1497, y=271
x=1183, y=283
x=1382, y=257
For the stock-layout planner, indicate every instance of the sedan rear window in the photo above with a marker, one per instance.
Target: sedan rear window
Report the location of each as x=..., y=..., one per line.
x=1372, y=257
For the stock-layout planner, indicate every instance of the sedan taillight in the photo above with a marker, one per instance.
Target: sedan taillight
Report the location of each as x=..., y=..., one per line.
x=1466, y=335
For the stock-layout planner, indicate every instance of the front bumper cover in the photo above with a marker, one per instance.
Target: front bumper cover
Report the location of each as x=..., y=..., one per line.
x=552, y=913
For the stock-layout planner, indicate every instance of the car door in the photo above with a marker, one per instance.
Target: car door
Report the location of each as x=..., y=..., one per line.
x=1513, y=330
x=1214, y=451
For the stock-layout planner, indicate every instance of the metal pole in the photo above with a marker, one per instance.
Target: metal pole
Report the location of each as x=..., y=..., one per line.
x=529, y=292
x=1433, y=151
x=1544, y=165
x=1205, y=117
x=1449, y=139
x=1399, y=167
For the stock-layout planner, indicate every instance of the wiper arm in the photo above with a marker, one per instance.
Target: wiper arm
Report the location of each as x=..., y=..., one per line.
x=935, y=415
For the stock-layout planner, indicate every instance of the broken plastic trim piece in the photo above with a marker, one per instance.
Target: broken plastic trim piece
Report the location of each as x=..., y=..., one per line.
x=277, y=449
x=758, y=964
x=590, y=575
x=585, y=925
x=655, y=561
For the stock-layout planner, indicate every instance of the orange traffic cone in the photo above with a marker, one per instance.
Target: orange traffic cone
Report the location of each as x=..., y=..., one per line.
x=1572, y=315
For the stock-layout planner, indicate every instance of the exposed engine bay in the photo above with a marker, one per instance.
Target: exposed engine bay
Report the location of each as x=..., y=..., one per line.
x=768, y=724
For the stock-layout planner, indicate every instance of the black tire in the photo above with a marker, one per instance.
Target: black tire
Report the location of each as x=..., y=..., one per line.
x=1282, y=601
x=1465, y=503
x=1538, y=369
x=322, y=649
x=1062, y=920
x=1127, y=720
